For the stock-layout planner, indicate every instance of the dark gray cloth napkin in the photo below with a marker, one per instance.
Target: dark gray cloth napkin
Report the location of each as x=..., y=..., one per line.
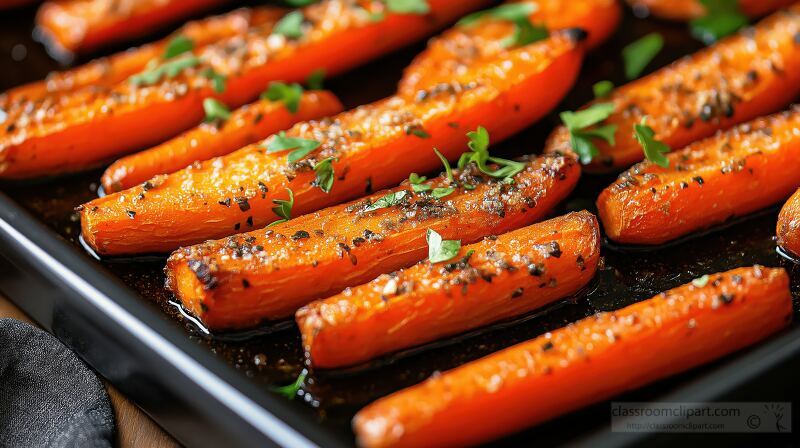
x=48, y=397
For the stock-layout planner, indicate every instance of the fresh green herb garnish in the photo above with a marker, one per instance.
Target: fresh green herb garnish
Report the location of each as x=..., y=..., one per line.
x=168, y=69
x=301, y=146
x=700, y=281
x=325, y=174
x=419, y=132
x=315, y=79
x=654, y=150
x=215, y=110
x=299, y=3
x=447, y=168
x=387, y=201
x=177, y=46
x=519, y=13
x=479, y=154
x=408, y=6
x=290, y=391
x=440, y=250
x=638, y=54
x=217, y=80
x=602, y=89
x=722, y=18
x=283, y=208
x=581, y=137
x=289, y=94
x=439, y=193
x=290, y=25
x=416, y=182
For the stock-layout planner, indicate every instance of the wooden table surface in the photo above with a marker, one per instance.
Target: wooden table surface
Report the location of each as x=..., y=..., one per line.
x=134, y=427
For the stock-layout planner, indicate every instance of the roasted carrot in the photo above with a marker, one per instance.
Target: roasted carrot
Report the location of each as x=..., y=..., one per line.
x=86, y=25
x=582, y=363
x=498, y=278
x=745, y=76
x=246, y=125
x=374, y=146
x=683, y=10
x=350, y=244
x=448, y=56
x=789, y=225
x=733, y=173
x=85, y=127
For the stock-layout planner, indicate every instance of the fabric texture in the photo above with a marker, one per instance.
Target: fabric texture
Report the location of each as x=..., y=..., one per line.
x=48, y=397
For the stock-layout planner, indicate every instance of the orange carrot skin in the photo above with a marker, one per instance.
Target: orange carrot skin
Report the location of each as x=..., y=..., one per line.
x=85, y=25
x=789, y=225
x=247, y=125
x=449, y=54
x=684, y=10
x=506, y=276
x=745, y=76
x=346, y=246
x=734, y=173
x=373, y=144
x=127, y=117
x=582, y=363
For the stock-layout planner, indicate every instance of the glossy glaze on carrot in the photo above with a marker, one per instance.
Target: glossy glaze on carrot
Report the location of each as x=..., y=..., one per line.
x=376, y=146
x=736, y=172
x=589, y=361
x=242, y=280
x=496, y=279
x=86, y=25
x=85, y=127
x=684, y=10
x=745, y=76
x=248, y=124
x=789, y=226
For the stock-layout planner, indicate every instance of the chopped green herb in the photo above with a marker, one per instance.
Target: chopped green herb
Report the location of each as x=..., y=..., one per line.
x=638, y=54
x=177, y=46
x=440, y=250
x=168, y=69
x=602, y=89
x=479, y=154
x=654, y=150
x=439, y=193
x=419, y=132
x=700, y=281
x=577, y=124
x=290, y=25
x=315, y=79
x=299, y=3
x=290, y=391
x=325, y=174
x=215, y=110
x=408, y=6
x=447, y=168
x=416, y=182
x=519, y=13
x=217, y=80
x=301, y=146
x=722, y=18
x=387, y=201
x=289, y=94
x=283, y=208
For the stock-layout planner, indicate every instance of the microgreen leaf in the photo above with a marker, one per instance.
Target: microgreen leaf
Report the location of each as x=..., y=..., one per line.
x=301, y=146
x=654, y=150
x=519, y=14
x=168, y=69
x=325, y=174
x=440, y=250
x=581, y=119
x=217, y=80
x=299, y=3
x=315, y=79
x=639, y=53
x=387, y=201
x=479, y=154
x=283, y=208
x=417, y=184
x=215, y=110
x=602, y=89
x=722, y=18
x=580, y=137
x=289, y=94
x=439, y=193
x=447, y=168
x=419, y=132
x=177, y=46
x=290, y=25
x=290, y=390
x=408, y=6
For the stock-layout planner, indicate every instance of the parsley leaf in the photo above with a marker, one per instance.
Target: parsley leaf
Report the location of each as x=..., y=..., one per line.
x=580, y=137
x=315, y=79
x=439, y=193
x=638, y=54
x=289, y=94
x=299, y=3
x=290, y=25
x=519, y=13
x=325, y=174
x=722, y=18
x=479, y=154
x=290, y=391
x=387, y=201
x=301, y=146
x=283, y=208
x=177, y=46
x=217, y=80
x=215, y=110
x=417, y=184
x=408, y=6
x=440, y=250
x=447, y=168
x=602, y=89
x=418, y=131
x=654, y=150
x=168, y=69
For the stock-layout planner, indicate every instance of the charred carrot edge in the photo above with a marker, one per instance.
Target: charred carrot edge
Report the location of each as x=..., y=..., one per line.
x=789, y=225
x=496, y=279
x=108, y=71
x=348, y=245
x=462, y=46
x=734, y=173
x=374, y=147
x=745, y=76
x=582, y=363
x=85, y=25
x=246, y=125
x=128, y=117
x=683, y=10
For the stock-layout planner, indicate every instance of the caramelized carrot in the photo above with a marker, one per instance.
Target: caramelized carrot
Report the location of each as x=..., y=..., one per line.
x=246, y=125
x=684, y=10
x=85, y=127
x=582, y=363
x=448, y=56
x=789, y=225
x=85, y=25
x=496, y=279
x=710, y=181
x=373, y=146
x=742, y=77
x=350, y=244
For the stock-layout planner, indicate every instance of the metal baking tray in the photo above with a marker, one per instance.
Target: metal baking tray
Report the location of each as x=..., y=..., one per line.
x=215, y=391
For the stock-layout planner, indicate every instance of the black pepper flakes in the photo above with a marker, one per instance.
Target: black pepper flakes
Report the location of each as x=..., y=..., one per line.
x=131, y=214
x=547, y=346
x=243, y=204
x=226, y=202
x=698, y=179
x=245, y=283
x=301, y=235
x=727, y=299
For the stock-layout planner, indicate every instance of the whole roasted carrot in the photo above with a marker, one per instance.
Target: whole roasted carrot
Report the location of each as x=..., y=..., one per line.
x=372, y=147
x=684, y=10
x=85, y=25
x=498, y=278
x=85, y=127
x=245, y=279
x=742, y=77
x=733, y=173
x=447, y=57
x=582, y=363
x=789, y=225
x=246, y=125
